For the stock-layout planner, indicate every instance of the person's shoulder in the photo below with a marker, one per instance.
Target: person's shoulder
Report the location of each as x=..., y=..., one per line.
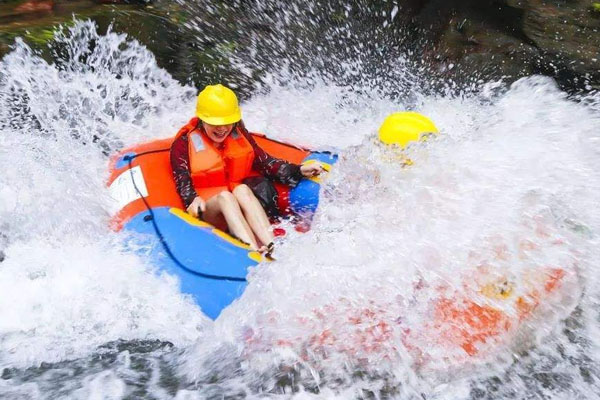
x=189, y=126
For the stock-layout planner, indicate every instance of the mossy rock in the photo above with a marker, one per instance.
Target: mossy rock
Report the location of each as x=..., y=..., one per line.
x=157, y=26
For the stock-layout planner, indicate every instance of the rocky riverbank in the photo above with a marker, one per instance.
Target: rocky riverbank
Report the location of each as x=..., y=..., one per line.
x=156, y=25
x=458, y=39
x=512, y=38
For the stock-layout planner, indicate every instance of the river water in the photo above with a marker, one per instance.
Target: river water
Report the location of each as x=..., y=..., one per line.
x=510, y=187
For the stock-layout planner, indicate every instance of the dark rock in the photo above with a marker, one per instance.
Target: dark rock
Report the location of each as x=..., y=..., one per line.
x=568, y=36
x=470, y=47
x=490, y=39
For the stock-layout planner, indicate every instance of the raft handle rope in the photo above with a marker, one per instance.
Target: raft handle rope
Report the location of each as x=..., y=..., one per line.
x=129, y=158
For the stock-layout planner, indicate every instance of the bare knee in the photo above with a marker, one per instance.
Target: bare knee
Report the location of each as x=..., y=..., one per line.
x=226, y=197
x=243, y=193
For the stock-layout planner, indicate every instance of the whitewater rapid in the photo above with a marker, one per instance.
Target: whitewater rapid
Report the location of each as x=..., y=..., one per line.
x=509, y=160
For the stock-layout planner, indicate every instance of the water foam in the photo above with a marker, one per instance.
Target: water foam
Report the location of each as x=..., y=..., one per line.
x=491, y=183
x=68, y=284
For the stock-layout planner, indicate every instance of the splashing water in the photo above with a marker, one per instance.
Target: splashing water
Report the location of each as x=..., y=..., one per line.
x=507, y=193
x=61, y=294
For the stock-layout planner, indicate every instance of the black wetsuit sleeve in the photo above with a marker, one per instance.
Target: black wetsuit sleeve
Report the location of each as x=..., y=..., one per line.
x=180, y=161
x=273, y=168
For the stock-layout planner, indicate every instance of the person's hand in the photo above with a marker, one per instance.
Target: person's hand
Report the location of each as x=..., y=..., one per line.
x=197, y=204
x=312, y=169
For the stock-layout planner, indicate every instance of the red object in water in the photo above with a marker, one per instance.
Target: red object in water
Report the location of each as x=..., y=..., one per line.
x=279, y=232
x=35, y=6
x=302, y=228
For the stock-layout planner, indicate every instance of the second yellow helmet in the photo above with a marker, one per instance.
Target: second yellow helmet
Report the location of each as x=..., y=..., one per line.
x=404, y=127
x=218, y=105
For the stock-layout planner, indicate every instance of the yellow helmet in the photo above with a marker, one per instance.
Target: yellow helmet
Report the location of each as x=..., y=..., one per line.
x=218, y=105
x=404, y=127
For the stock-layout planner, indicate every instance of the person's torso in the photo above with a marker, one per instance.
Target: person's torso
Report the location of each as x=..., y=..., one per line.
x=227, y=165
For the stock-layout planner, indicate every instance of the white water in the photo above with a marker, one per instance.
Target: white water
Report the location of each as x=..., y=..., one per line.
x=509, y=161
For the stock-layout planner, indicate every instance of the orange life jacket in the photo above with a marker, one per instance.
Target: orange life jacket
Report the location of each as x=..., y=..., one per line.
x=213, y=169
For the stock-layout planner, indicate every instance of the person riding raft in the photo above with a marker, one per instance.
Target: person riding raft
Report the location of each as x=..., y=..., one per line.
x=223, y=176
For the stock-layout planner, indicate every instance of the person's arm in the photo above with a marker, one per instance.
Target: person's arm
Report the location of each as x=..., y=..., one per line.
x=180, y=161
x=273, y=168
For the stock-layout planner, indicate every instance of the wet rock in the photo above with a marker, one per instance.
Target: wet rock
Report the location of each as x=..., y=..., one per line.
x=463, y=40
x=567, y=33
x=155, y=27
x=35, y=21
x=473, y=48
x=513, y=38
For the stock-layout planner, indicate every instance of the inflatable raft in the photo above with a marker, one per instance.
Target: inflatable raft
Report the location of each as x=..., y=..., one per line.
x=211, y=265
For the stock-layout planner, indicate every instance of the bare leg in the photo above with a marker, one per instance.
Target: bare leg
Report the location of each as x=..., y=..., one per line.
x=254, y=213
x=225, y=205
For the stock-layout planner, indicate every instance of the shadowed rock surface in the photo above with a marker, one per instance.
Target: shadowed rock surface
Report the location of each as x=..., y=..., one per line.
x=513, y=38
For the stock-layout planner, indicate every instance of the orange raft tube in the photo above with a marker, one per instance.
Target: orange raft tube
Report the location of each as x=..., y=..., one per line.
x=438, y=325
x=450, y=328
x=210, y=264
